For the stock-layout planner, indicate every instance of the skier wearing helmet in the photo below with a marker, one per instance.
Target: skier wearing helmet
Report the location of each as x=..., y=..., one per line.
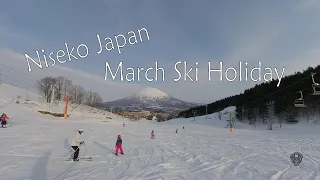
x=119, y=145
x=75, y=144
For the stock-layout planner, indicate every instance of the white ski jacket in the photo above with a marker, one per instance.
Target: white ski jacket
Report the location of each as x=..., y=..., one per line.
x=76, y=139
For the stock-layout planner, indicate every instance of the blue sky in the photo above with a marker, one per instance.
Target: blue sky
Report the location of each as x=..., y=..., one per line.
x=277, y=33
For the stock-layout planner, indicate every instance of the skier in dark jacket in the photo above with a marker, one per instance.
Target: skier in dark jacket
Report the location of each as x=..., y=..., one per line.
x=119, y=145
x=4, y=119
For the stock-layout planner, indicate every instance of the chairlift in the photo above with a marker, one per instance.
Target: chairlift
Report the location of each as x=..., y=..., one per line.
x=300, y=102
x=315, y=86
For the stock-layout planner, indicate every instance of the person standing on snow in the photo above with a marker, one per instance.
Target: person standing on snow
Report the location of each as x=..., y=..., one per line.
x=75, y=144
x=4, y=119
x=119, y=145
x=152, y=135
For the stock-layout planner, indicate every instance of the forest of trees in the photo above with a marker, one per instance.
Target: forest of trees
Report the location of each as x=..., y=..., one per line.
x=63, y=87
x=258, y=103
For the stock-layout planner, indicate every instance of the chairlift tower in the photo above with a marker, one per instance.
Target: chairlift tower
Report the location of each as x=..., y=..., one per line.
x=194, y=114
x=231, y=124
x=52, y=96
x=207, y=112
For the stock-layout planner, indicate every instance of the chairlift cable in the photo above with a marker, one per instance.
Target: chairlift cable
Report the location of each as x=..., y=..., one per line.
x=280, y=90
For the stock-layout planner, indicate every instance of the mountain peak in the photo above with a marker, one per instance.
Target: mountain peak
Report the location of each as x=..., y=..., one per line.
x=151, y=99
x=151, y=94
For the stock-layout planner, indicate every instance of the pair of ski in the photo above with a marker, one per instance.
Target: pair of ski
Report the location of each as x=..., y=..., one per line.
x=118, y=154
x=6, y=126
x=87, y=158
x=84, y=158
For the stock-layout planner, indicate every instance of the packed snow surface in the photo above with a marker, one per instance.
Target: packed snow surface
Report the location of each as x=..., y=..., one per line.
x=34, y=146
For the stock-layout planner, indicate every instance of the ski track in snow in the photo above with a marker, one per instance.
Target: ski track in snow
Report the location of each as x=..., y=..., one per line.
x=34, y=148
x=186, y=155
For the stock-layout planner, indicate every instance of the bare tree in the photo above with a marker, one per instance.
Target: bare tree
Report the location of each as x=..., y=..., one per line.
x=78, y=94
x=309, y=114
x=281, y=116
x=93, y=99
x=270, y=123
x=45, y=87
x=88, y=98
x=96, y=99
x=59, y=86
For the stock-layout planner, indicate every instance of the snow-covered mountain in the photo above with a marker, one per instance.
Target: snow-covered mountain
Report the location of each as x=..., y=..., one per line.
x=150, y=99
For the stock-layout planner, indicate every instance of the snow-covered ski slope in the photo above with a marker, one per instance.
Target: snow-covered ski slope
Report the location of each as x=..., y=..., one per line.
x=34, y=146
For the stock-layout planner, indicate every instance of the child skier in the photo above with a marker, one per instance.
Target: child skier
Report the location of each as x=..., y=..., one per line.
x=119, y=145
x=75, y=144
x=4, y=119
x=152, y=135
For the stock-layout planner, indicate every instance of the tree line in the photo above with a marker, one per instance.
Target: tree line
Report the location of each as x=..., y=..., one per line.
x=266, y=102
x=62, y=87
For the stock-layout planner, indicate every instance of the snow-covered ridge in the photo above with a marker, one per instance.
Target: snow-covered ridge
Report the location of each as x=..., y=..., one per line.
x=150, y=98
x=150, y=94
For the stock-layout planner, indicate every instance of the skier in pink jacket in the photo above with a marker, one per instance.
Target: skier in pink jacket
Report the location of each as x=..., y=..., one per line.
x=152, y=135
x=119, y=145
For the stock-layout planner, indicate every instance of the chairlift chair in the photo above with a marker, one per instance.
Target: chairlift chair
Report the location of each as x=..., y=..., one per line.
x=300, y=102
x=315, y=86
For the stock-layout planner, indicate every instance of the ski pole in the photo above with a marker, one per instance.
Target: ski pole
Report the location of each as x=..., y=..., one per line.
x=68, y=153
x=72, y=150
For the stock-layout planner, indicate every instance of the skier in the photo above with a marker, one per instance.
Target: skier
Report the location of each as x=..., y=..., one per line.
x=152, y=135
x=176, y=130
x=75, y=144
x=119, y=145
x=4, y=119
x=183, y=128
x=124, y=124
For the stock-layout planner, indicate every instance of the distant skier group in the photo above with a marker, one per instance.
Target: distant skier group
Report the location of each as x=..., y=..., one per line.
x=76, y=142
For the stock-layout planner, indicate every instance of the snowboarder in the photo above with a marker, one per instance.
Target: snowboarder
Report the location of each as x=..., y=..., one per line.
x=119, y=145
x=176, y=130
x=152, y=135
x=75, y=144
x=4, y=119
